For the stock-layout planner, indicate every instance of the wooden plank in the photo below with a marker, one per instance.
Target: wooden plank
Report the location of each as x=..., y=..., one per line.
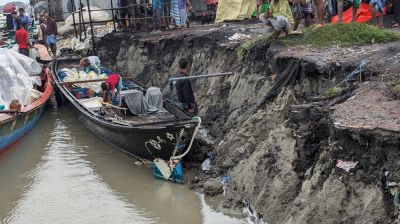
x=7, y=111
x=84, y=81
x=90, y=80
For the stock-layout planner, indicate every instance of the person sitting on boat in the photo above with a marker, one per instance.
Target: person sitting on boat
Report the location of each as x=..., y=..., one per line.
x=91, y=63
x=110, y=86
x=184, y=88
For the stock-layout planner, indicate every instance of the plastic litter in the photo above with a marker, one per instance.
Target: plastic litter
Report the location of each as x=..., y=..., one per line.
x=15, y=82
x=206, y=165
x=239, y=37
x=346, y=165
x=252, y=217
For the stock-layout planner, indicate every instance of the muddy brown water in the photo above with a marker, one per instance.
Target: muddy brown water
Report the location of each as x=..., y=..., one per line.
x=62, y=173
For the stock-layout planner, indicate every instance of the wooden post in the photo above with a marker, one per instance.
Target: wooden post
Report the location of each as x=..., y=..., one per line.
x=113, y=15
x=91, y=26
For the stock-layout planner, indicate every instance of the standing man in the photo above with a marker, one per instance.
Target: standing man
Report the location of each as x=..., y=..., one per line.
x=22, y=38
x=320, y=12
x=31, y=11
x=184, y=89
x=22, y=17
x=355, y=5
x=71, y=6
x=51, y=32
x=377, y=5
x=396, y=14
x=123, y=12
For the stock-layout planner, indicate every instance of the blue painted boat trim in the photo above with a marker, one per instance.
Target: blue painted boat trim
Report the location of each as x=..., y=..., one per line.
x=9, y=139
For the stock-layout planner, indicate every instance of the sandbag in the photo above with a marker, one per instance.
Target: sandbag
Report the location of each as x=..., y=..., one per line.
x=96, y=16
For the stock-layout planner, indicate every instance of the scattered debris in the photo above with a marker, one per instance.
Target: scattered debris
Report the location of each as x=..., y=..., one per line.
x=252, y=217
x=346, y=165
x=239, y=37
x=206, y=165
x=213, y=186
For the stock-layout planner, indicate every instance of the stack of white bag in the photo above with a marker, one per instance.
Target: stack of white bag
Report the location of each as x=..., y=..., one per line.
x=15, y=77
x=96, y=15
x=74, y=75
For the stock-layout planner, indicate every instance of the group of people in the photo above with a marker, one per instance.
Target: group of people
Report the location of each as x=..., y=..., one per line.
x=164, y=12
x=285, y=15
x=46, y=36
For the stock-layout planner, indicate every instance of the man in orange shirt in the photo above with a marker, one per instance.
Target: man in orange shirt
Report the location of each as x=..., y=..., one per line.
x=22, y=38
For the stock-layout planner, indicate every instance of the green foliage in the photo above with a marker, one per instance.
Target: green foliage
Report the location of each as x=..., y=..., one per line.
x=244, y=49
x=343, y=35
x=332, y=92
x=395, y=88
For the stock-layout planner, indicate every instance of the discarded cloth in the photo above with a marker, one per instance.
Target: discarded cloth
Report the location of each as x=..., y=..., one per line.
x=346, y=165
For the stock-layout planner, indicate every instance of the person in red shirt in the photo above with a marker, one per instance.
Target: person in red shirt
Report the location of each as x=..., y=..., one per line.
x=22, y=39
x=112, y=83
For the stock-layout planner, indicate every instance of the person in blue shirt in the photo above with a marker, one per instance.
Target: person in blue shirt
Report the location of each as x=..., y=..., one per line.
x=23, y=18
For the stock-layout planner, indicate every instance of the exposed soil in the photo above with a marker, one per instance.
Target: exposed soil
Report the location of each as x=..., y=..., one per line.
x=280, y=147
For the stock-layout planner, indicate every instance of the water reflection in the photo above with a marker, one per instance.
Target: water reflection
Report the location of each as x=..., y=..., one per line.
x=62, y=173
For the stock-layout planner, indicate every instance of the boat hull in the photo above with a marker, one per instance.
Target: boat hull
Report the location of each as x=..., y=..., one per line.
x=14, y=127
x=147, y=141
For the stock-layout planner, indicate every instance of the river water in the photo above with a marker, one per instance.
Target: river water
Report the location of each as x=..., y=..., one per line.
x=61, y=173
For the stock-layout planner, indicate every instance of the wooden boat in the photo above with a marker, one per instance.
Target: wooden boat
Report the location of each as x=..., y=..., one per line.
x=15, y=125
x=164, y=134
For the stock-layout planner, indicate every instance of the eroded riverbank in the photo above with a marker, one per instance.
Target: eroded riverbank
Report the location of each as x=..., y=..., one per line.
x=278, y=124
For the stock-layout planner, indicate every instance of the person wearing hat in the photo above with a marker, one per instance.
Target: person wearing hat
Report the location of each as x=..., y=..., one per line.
x=278, y=23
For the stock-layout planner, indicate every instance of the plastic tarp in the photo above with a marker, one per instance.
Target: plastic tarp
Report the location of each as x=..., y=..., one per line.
x=234, y=10
x=363, y=14
x=136, y=102
x=40, y=7
x=154, y=97
x=16, y=81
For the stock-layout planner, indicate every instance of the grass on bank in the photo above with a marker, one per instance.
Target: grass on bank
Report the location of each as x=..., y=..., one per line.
x=342, y=35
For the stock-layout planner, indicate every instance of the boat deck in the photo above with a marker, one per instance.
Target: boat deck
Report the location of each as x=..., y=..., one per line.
x=117, y=115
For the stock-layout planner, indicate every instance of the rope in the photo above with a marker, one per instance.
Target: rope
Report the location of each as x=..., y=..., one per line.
x=352, y=75
x=191, y=141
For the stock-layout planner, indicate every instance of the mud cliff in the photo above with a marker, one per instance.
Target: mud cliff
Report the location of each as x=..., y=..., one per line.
x=280, y=124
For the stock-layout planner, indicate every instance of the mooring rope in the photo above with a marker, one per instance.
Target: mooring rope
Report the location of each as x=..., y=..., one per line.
x=191, y=141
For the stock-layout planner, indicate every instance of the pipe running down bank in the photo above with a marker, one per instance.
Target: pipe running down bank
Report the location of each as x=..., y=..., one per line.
x=172, y=80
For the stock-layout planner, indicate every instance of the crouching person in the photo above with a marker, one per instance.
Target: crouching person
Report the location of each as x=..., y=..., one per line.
x=278, y=23
x=110, y=86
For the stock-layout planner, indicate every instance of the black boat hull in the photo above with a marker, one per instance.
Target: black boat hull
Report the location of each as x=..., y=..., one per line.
x=148, y=141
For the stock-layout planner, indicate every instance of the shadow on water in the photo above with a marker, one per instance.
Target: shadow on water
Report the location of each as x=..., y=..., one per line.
x=61, y=173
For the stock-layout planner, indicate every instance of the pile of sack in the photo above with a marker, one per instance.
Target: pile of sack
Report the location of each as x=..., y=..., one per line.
x=69, y=75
